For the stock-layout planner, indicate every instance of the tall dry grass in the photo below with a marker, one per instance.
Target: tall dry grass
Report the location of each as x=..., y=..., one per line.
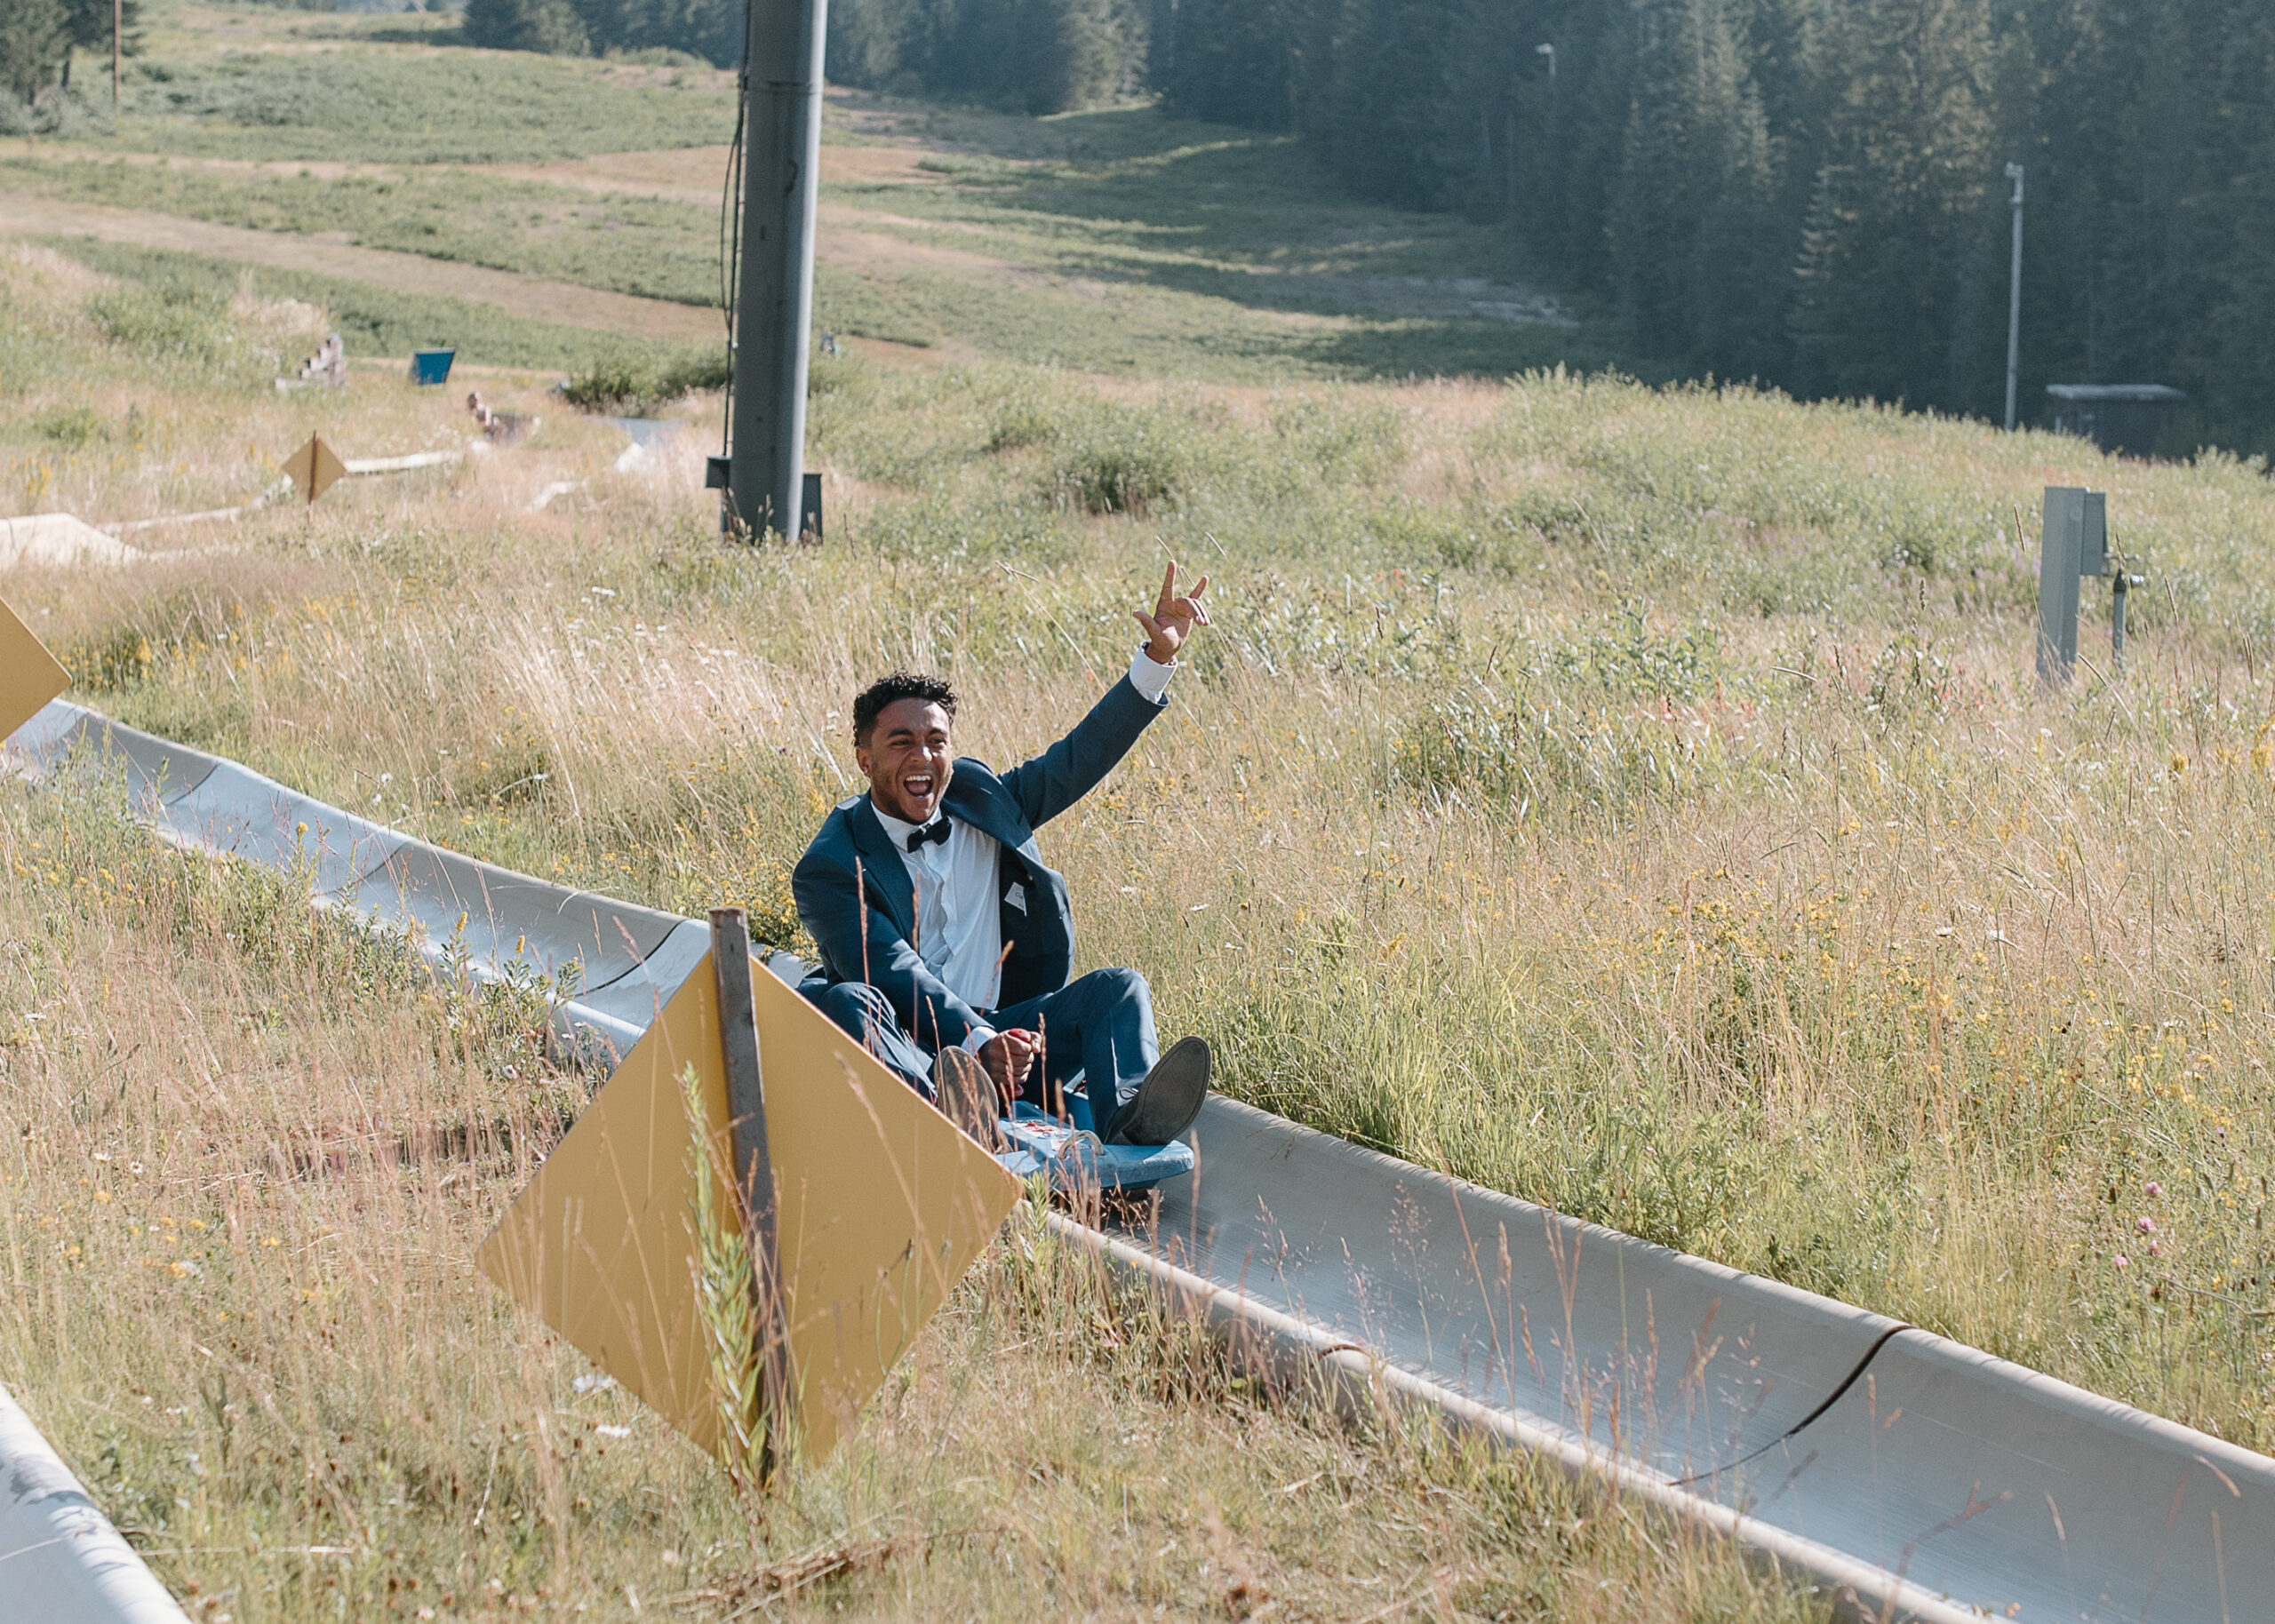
x=249, y=1153
x=1637, y=800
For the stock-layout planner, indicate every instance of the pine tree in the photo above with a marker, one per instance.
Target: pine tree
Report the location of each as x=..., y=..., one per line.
x=1076, y=53
x=1907, y=167
x=89, y=28
x=1384, y=121
x=1696, y=234
x=1232, y=61
x=34, y=34
x=525, y=25
x=2228, y=357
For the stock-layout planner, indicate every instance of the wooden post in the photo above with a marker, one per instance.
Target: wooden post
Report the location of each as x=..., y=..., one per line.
x=754, y=1163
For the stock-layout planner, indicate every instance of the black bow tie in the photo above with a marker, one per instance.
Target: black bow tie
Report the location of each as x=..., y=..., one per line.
x=937, y=829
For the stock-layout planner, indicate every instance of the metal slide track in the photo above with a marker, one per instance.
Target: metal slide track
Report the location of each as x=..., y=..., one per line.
x=1919, y=1476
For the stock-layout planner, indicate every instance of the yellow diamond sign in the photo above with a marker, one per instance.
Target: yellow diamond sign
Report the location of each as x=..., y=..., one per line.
x=313, y=469
x=29, y=675
x=880, y=1204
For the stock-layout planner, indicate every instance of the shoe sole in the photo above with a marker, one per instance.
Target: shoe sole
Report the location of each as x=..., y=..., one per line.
x=1170, y=1098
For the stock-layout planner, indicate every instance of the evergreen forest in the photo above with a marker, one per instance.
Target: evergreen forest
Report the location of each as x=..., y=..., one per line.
x=1808, y=194
x=1811, y=194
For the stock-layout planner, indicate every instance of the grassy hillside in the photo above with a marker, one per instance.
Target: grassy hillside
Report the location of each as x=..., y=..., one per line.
x=238, y=1300
x=238, y=1291
x=1637, y=800
x=1118, y=241
x=280, y=99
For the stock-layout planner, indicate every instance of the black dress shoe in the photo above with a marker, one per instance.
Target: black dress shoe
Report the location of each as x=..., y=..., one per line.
x=1170, y=1098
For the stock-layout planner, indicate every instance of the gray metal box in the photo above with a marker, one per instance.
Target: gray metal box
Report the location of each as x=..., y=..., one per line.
x=2093, y=535
x=2061, y=541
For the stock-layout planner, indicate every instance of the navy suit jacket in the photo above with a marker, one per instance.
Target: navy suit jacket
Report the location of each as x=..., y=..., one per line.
x=854, y=894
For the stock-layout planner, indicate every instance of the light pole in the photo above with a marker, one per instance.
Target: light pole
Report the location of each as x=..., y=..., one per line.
x=2014, y=299
x=774, y=308
x=1550, y=53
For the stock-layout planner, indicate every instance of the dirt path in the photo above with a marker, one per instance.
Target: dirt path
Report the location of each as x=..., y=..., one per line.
x=680, y=174
x=533, y=297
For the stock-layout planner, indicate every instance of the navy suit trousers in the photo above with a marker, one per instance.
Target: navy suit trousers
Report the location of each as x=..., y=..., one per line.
x=1098, y=1028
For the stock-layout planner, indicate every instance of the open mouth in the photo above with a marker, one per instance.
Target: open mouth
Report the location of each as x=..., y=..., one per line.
x=917, y=786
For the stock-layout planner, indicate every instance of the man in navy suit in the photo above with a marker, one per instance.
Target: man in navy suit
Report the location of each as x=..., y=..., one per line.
x=947, y=940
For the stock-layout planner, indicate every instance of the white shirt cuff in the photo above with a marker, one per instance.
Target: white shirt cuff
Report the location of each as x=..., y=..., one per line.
x=1149, y=676
x=978, y=1039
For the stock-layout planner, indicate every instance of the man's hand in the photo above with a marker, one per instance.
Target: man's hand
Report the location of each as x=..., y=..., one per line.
x=1174, y=617
x=1007, y=1057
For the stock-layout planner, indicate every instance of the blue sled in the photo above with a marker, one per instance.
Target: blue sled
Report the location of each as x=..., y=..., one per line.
x=1075, y=1159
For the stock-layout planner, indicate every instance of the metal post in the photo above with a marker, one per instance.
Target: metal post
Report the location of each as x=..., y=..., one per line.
x=782, y=84
x=2117, y=589
x=754, y=1161
x=2060, y=534
x=2014, y=299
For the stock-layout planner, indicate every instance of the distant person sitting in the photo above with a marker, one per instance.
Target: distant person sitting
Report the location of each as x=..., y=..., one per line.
x=947, y=941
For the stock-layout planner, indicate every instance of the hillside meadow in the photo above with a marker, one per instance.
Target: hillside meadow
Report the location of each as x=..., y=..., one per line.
x=1636, y=799
x=1118, y=239
x=250, y=1150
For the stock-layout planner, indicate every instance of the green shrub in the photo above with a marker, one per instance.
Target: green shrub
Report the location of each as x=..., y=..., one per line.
x=1338, y=440
x=549, y=25
x=1028, y=417
x=617, y=384
x=710, y=369
x=75, y=428
x=109, y=661
x=1108, y=477
x=625, y=385
x=1120, y=461
x=171, y=321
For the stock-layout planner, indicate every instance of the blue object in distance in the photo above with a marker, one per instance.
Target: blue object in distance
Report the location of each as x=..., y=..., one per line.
x=431, y=366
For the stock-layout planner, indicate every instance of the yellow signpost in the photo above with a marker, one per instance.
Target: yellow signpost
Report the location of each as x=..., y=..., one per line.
x=880, y=1204
x=313, y=469
x=29, y=675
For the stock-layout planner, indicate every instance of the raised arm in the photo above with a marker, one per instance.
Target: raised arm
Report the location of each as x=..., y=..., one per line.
x=1070, y=768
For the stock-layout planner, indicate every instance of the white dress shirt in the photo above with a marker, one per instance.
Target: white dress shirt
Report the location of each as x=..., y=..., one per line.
x=959, y=932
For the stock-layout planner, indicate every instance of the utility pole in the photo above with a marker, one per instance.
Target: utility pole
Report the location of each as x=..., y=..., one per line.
x=2014, y=299
x=774, y=306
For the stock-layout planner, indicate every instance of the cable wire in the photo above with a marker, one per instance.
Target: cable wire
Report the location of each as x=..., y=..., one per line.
x=730, y=231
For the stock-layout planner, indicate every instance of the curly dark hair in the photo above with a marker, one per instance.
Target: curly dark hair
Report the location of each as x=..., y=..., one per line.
x=898, y=685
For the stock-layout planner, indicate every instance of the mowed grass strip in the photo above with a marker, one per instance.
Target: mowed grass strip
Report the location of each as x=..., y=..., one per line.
x=654, y=250
x=413, y=105
x=373, y=321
